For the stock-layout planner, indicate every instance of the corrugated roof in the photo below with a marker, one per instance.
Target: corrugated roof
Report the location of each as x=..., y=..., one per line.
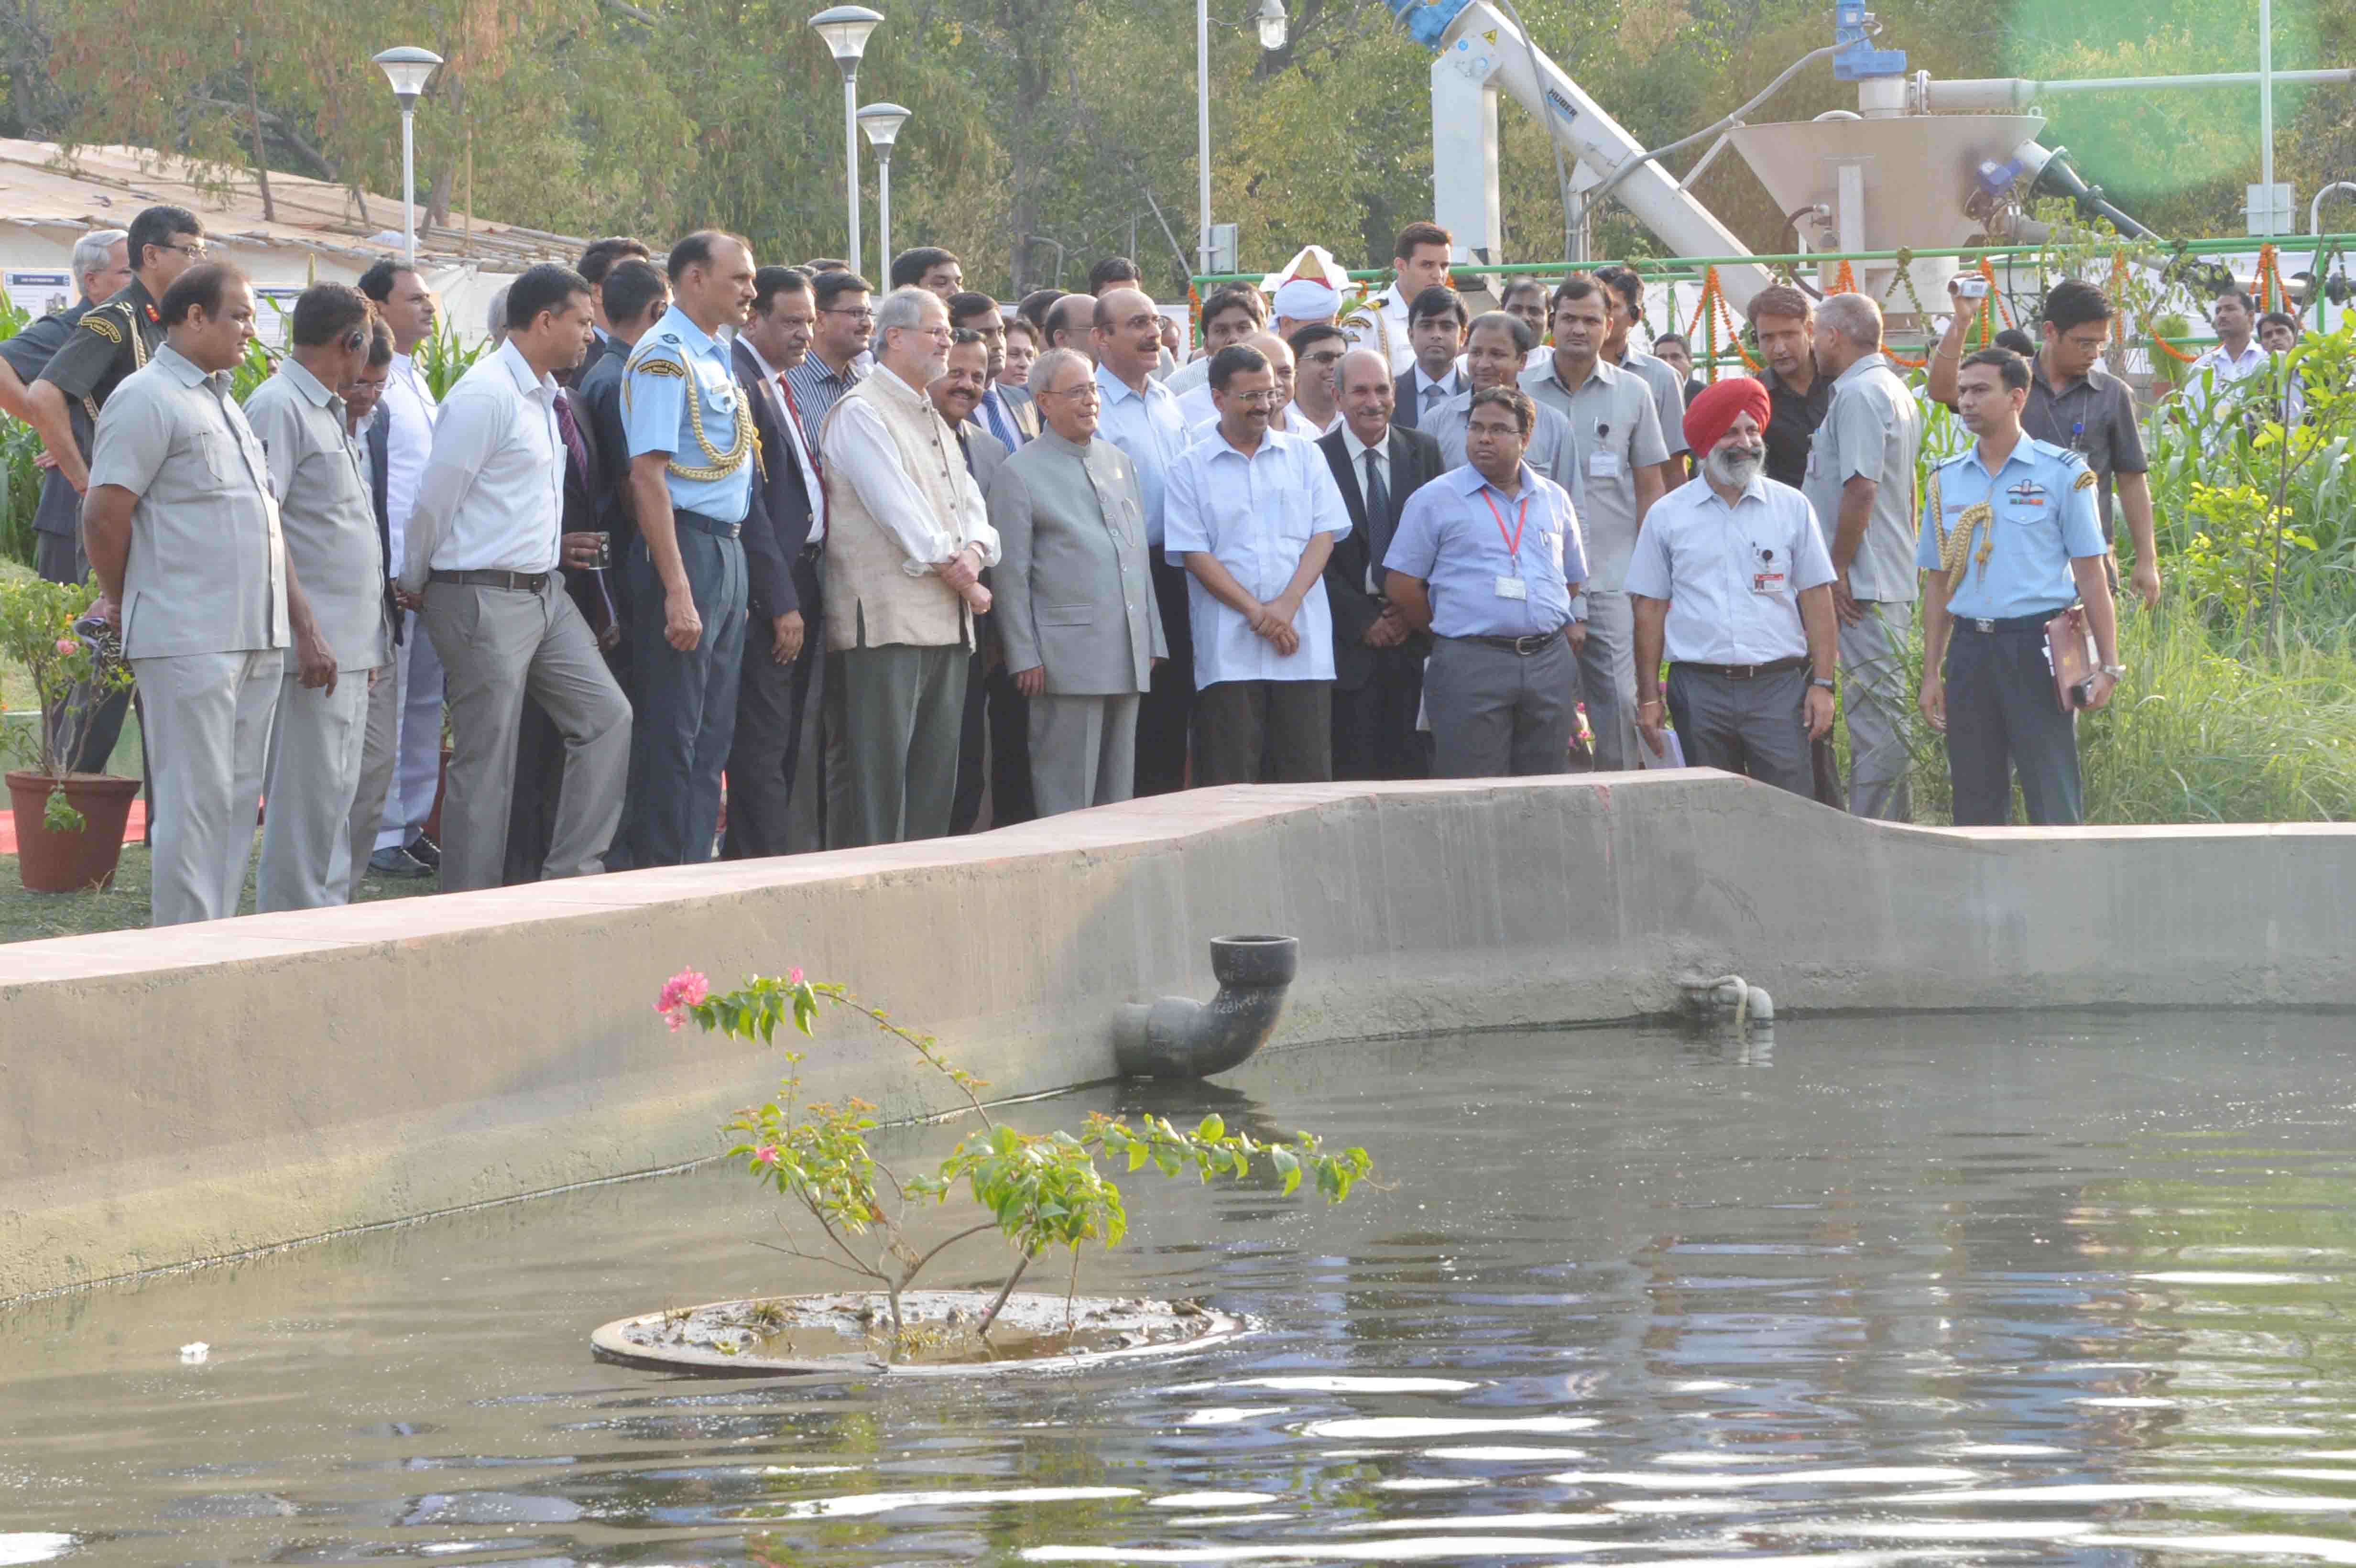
x=106, y=186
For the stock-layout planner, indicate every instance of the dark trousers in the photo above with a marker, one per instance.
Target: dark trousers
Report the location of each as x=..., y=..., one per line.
x=59, y=559
x=2002, y=719
x=1375, y=735
x=1164, y=716
x=993, y=740
x=1756, y=727
x=774, y=713
x=1288, y=724
x=685, y=702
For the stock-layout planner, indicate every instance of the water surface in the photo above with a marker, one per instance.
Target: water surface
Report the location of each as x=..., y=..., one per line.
x=2070, y=1289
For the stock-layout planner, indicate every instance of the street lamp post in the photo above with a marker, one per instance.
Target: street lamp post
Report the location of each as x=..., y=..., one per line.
x=1269, y=20
x=409, y=69
x=881, y=121
x=845, y=30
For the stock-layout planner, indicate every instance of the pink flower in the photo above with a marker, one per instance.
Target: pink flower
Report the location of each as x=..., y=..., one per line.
x=795, y=975
x=681, y=992
x=68, y=646
x=765, y=1155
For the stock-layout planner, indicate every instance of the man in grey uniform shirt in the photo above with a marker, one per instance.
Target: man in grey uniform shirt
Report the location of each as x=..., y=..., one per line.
x=1495, y=348
x=1613, y=474
x=1624, y=301
x=184, y=537
x=1860, y=481
x=319, y=473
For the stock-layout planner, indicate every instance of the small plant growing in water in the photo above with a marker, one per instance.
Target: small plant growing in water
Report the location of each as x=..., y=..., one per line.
x=1039, y=1190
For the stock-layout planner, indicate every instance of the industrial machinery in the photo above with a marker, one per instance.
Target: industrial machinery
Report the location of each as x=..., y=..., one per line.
x=1920, y=164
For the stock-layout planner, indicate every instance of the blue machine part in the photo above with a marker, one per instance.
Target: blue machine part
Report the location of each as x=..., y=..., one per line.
x=1426, y=20
x=1859, y=58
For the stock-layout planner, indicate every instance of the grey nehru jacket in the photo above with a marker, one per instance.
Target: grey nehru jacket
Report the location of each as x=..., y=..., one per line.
x=1615, y=430
x=207, y=568
x=1074, y=592
x=326, y=510
x=1871, y=428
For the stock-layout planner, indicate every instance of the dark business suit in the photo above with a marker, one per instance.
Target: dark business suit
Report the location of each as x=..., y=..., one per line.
x=993, y=706
x=1376, y=691
x=773, y=698
x=1406, y=406
x=378, y=757
x=1020, y=412
x=540, y=745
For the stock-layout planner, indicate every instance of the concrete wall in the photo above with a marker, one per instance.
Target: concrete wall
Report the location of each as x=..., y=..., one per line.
x=175, y=1095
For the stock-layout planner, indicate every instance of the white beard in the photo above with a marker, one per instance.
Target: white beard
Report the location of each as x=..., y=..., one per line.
x=1734, y=467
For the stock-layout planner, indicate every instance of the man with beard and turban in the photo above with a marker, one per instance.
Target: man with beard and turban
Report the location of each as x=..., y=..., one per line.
x=1732, y=581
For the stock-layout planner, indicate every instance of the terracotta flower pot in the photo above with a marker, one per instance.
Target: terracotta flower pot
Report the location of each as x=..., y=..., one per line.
x=51, y=862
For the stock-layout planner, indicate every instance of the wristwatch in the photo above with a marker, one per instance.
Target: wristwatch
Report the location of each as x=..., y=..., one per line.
x=1823, y=680
x=2116, y=671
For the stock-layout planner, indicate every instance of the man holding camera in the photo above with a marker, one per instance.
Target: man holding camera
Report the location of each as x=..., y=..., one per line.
x=2009, y=539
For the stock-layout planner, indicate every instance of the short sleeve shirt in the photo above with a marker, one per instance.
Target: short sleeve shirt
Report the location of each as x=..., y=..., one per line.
x=680, y=395
x=1733, y=575
x=1465, y=538
x=320, y=474
x=1668, y=395
x=206, y=571
x=1871, y=431
x=29, y=354
x=2093, y=416
x=1256, y=515
x=1791, y=420
x=110, y=341
x=1615, y=430
x=2040, y=516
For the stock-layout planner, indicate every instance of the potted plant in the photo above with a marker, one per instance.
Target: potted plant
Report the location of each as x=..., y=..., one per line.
x=68, y=825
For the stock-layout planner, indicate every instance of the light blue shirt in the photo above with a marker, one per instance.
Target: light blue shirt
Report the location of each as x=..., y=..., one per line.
x=1455, y=534
x=1256, y=515
x=1150, y=432
x=658, y=415
x=1733, y=575
x=2042, y=498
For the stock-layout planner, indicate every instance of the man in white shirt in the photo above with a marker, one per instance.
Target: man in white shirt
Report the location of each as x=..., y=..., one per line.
x=2236, y=357
x=1731, y=581
x=1201, y=411
x=1253, y=514
x=1316, y=350
x=479, y=561
x=907, y=539
x=408, y=307
x=1232, y=313
x=1419, y=261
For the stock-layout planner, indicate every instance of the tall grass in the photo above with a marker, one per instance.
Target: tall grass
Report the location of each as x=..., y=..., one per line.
x=2207, y=727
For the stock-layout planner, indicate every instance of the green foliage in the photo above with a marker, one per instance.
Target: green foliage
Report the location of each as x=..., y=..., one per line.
x=443, y=358
x=1040, y=1190
x=36, y=633
x=20, y=477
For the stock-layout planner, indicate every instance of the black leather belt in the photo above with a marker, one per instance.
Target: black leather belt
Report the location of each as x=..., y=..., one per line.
x=705, y=525
x=1744, y=671
x=516, y=582
x=1535, y=642
x=813, y=553
x=2008, y=624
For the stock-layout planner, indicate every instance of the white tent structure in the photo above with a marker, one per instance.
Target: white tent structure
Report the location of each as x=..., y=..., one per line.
x=49, y=198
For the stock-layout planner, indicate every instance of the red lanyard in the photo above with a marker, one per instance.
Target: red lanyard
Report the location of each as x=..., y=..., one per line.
x=1514, y=540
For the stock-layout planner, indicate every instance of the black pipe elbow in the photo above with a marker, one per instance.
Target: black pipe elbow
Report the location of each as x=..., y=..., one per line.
x=1177, y=1037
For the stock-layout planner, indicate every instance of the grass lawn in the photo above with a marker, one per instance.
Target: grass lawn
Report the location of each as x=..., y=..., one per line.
x=27, y=917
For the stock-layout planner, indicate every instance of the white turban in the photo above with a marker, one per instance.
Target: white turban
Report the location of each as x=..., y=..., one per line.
x=1307, y=299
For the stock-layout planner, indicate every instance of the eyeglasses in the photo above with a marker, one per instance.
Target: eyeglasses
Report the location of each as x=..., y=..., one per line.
x=1086, y=389
x=1267, y=399
x=937, y=333
x=195, y=252
x=862, y=314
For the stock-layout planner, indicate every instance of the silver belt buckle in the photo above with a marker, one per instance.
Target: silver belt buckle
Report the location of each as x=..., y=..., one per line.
x=1985, y=625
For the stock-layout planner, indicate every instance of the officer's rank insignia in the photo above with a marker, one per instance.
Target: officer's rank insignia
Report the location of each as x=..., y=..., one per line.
x=104, y=326
x=2086, y=480
x=2028, y=493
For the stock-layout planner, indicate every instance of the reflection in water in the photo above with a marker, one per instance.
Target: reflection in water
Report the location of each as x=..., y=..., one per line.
x=1900, y=1291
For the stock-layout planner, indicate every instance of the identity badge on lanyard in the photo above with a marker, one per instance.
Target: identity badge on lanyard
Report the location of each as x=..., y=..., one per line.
x=1510, y=587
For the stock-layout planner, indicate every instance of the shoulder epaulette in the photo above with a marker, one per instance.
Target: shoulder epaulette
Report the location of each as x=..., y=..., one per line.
x=2086, y=480
x=656, y=365
x=100, y=322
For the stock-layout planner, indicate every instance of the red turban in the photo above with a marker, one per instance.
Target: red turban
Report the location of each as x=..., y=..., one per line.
x=1711, y=415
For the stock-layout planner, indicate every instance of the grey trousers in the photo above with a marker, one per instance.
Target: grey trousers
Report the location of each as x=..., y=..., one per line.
x=685, y=703
x=818, y=762
x=496, y=644
x=379, y=736
x=315, y=775
x=1607, y=679
x=208, y=740
x=776, y=721
x=1496, y=713
x=1083, y=751
x=1757, y=727
x=417, y=740
x=902, y=709
x=1876, y=701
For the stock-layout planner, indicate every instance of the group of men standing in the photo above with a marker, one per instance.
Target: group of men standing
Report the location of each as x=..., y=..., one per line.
x=712, y=518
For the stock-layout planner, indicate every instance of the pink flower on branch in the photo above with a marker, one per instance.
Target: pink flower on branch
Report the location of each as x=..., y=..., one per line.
x=68, y=646
x=681, y=992
x=765, y=1155
x=794, y=976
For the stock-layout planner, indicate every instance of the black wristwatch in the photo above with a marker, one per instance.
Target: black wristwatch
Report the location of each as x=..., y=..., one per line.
x=1823, y=680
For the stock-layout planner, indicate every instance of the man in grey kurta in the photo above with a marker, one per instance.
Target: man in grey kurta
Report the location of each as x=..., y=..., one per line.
x=1074, y=593
x=184, y=538
x=1860, y=480
x=321, y=478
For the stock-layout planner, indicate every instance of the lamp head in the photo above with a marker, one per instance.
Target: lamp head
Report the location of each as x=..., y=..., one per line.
x=881, y=121
x=409, y=69
x=845, y=30
x=1274, y=27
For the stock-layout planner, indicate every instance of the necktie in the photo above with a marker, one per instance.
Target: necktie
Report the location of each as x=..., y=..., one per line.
x=1378, y=512
x=999, y=425
x=571, y=435
x=1433, y=392
x=794, y=412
